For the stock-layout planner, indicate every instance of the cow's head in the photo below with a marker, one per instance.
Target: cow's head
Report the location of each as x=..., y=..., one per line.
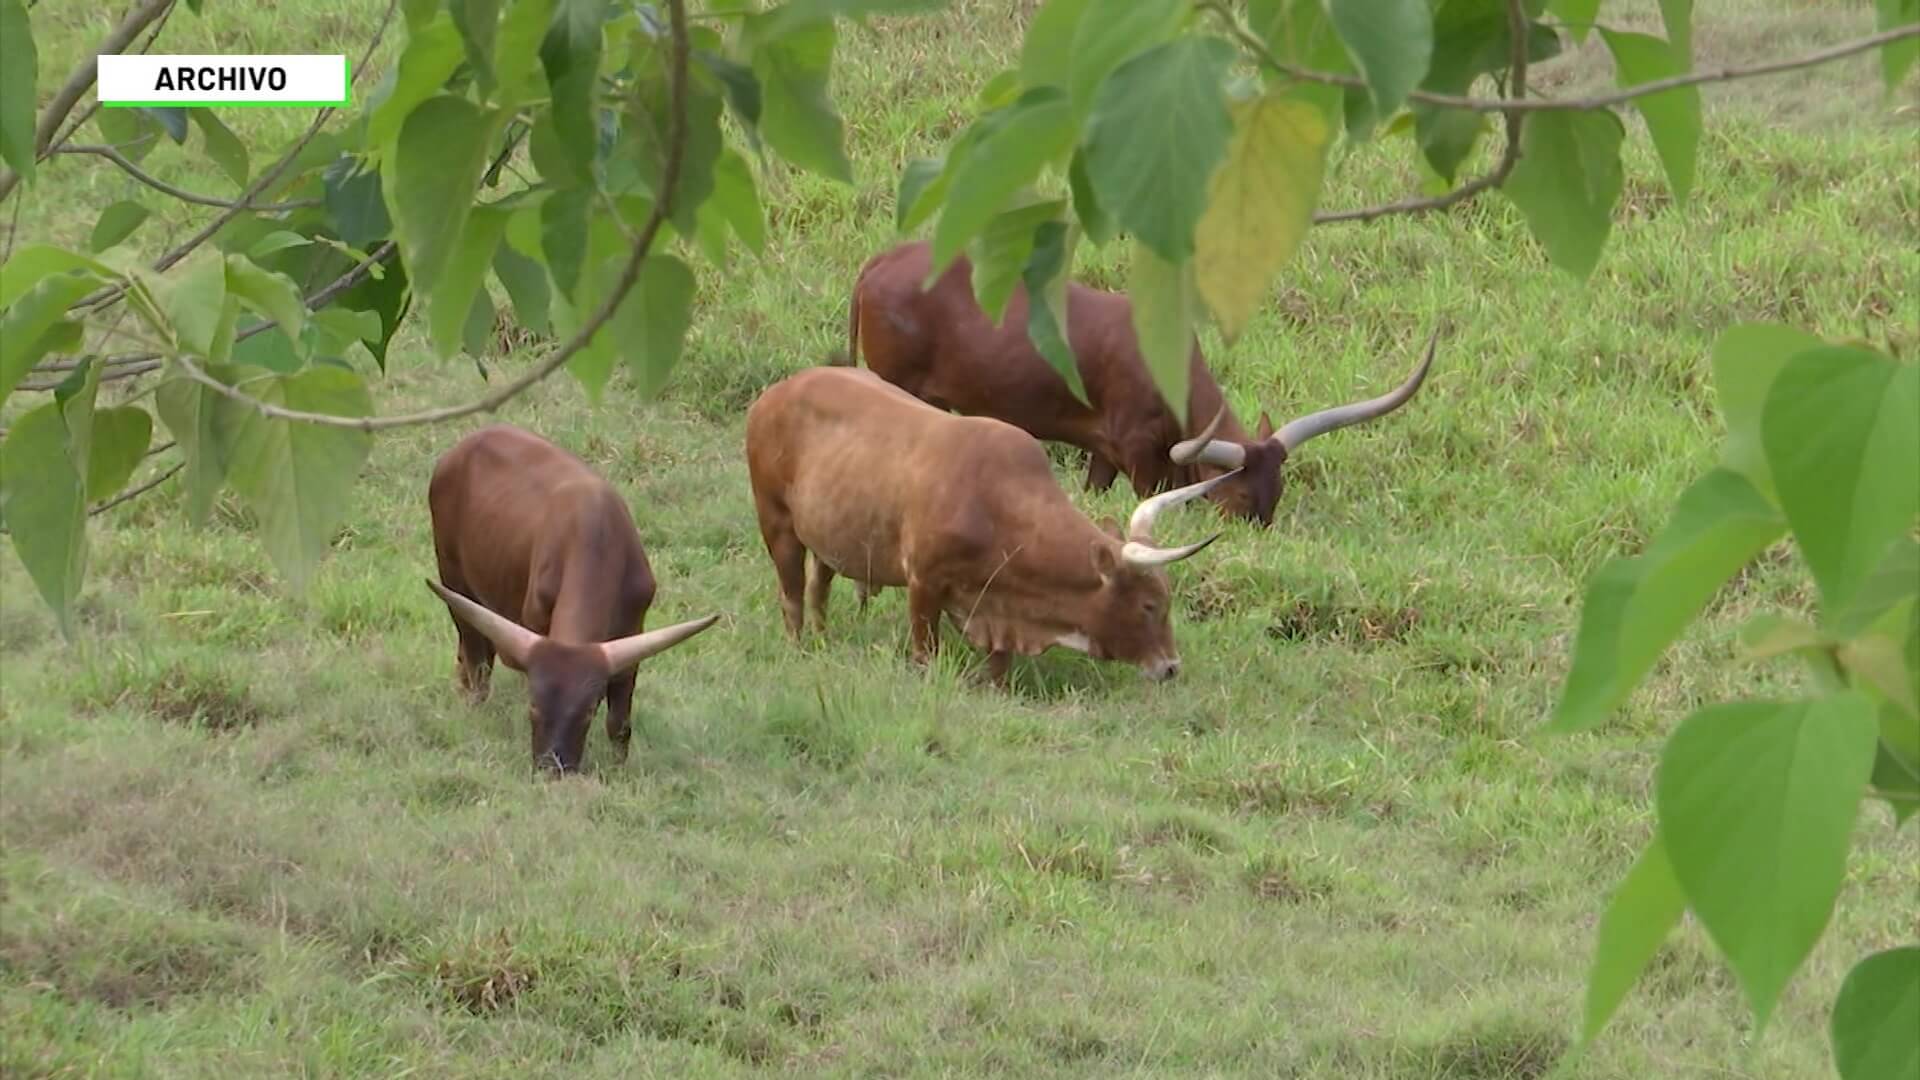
x=565, y=682
x=1261, y=461
x=1131, y=618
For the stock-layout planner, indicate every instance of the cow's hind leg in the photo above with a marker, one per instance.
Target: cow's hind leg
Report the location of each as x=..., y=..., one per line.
x=818, y=590
x=620, y=714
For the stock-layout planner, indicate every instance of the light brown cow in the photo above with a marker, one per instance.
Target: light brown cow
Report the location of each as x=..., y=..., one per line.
x=541, y=564
x=941, y=347
x=964, y=512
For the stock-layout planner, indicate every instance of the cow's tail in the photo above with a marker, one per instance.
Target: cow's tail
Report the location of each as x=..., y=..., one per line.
x=851, y=358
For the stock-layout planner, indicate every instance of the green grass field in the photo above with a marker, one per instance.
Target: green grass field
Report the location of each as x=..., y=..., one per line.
x=248, y=834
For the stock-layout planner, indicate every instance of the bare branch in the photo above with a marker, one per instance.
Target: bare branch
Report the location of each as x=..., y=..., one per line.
x=629, y=276
x=136, y=492
x=82, y=80
x=127, y=166
x=129, y=371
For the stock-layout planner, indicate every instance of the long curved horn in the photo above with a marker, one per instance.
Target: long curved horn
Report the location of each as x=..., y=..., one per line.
x=1316, y=424
x=623, y=653
x=514, y=641
x=1204, y=449
x=1138, y=554
x=1140, y=525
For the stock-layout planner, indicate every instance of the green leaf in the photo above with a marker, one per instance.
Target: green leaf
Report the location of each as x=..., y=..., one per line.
x=742, y=87
x=452, y=300
x=34, y=262
x=1896, y=782
x=1567, y=182
x=1897, y=57
x=273, y=295
x=119, y=442
x=1635, y=607
x=1673, y=116
x=296, y=478
x=526, y=283
x=1578, y=15
x=1746, y=360
x=478, y=22
x=32, y=326
x=1841, y=430
x=1086, y=206
x=1259, y=205
x=476, y=332
x=116, y=223
x=172, y=120
x=1165, y=304
x=641, y=149
x=1770, y=634
x=1159, y=129
x=47, y=506
x=1644, y=909
x=441, y=153
x=223, y=146
x=516, y=47
x=19, y=74
x=652, y=324
x=1447, y=137
x=738, y=202
x=570, y=55
x=432, y=54
x=1677, y=16
x=1046, y=280
x=563, y=238
x=333, y=330
x=798, y=118
x=387, y=296
x=1109, y=33
x=189, y=411
x=1036, y=128
x=918, y=196
x=355, y=203
x=1876, y=1017
x=277, y=241
x=1895, y=579
x=1757, y=801
x=1392, y=40
x=1001, y=254
x=1046, y=54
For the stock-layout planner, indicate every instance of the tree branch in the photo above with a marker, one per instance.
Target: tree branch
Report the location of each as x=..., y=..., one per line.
x=82, y=79
x=629, y=276
x=127, y=166
x=86, y=114
x=136, y=492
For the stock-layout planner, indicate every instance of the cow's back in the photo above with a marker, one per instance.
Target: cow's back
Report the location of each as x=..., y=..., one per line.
x=505, y=504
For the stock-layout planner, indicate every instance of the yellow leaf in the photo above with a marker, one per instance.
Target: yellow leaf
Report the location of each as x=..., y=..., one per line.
x=1163, y=317
x=1259, y=204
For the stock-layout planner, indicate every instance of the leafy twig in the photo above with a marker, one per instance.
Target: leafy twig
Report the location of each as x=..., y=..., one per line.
x=629, y=276
x=1515, y=104
x=82, y=79
x=136, y=492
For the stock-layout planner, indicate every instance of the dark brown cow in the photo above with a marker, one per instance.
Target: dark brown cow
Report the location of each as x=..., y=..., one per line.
x=941, y=347
x=962, y=511
x=540, y=563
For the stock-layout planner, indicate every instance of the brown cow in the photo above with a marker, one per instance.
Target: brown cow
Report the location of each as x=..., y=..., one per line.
x=540, y=562
x=962, y=511
x=941, y=347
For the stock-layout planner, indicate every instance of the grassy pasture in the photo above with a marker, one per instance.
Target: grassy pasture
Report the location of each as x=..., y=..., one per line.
x=247, y=834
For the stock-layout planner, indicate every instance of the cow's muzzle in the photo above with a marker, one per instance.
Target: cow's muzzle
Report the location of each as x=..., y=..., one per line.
x=1162, y=669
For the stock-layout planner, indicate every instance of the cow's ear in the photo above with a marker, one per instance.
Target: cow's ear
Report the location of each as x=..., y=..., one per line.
x=1266, y=426
x=1106, y=561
